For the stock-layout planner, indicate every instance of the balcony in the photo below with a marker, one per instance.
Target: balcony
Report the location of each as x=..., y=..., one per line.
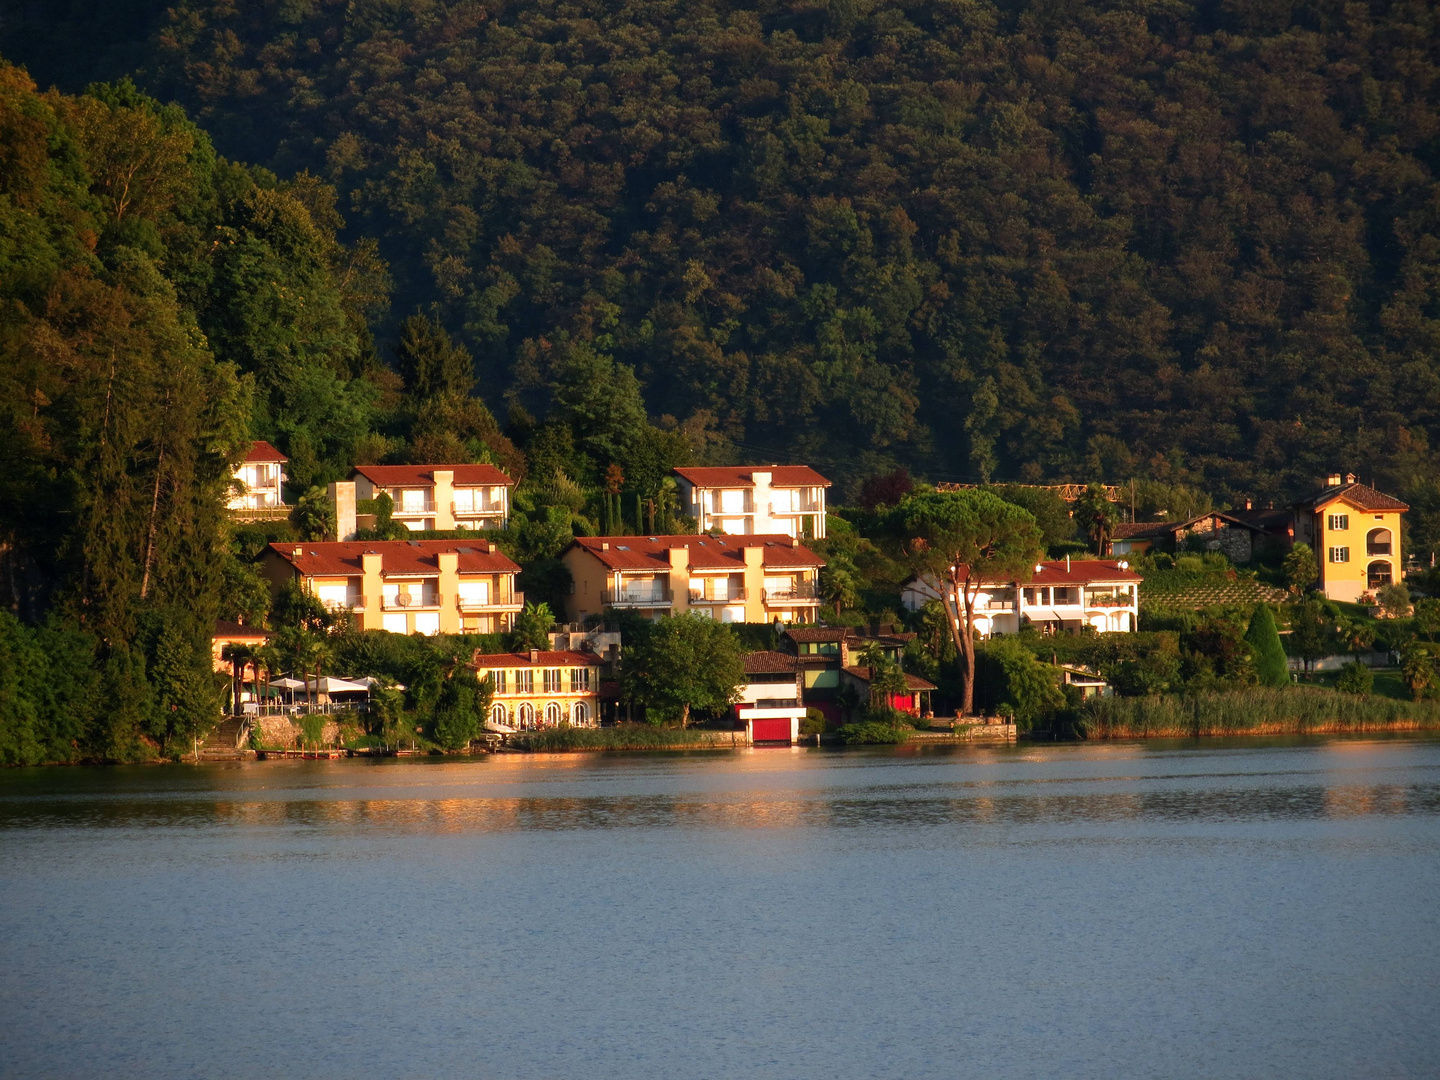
x=1107, y=600
x=335, y=606
x=413, y=509
x=477, y=509
x=804, y=592
x=734, y=596
x=412, y=602
x=1377, y=549
x=638, y=597
x=515, y=602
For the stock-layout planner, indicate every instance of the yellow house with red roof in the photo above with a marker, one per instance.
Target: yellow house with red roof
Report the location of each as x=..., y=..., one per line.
x=542, y=688
x=752, y=578
x=755, y=500
x=405, y=586
x=1354, y=531
x=439, y=496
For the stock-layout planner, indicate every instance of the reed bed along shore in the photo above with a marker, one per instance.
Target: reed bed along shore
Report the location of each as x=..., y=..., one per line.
x=1297, y=710
x=625, y=737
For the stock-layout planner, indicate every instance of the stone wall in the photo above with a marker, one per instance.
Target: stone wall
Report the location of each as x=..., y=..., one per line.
x=287, y=734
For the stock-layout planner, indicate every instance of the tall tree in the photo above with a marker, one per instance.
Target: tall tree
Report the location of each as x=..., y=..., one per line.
x=1264, y=641
x=684, y=662
x=962, y=541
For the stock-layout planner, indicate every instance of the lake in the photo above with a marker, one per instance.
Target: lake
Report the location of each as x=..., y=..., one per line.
x=1256, y=908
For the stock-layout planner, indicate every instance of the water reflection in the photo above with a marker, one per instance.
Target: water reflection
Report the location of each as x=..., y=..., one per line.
x=750, y=791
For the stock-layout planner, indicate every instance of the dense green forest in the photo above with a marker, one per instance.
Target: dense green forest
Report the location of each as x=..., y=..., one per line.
x=1196, y=241
x=1194, y=245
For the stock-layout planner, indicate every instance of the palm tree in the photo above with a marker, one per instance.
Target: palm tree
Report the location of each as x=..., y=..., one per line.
x=239, y=656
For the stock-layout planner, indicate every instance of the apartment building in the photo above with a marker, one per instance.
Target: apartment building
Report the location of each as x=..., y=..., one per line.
x=439, y=496
x=755, y=500
x=542, y=688
x=405, y=586
x=1060, y=597
x=257, y=493
x=754, y=579
x=1354, y=531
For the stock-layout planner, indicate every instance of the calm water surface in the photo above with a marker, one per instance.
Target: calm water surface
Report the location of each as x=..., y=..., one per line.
x=1225, y=909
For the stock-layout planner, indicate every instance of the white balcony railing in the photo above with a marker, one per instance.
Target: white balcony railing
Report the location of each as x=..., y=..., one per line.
x=802, y=592
x=736, y=595
x=413, y=509
x=412, y=602
x=638, y=597
x=513, y=602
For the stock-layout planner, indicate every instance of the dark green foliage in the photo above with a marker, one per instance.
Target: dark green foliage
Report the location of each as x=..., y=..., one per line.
x=1008, y=674
x=679, y=664
x=623, y=737
x=1300, y=569
x=460, y=712
x=533, y=626
x=873, y=732
x=1355, y=678
x=1315, y=629
x=49, y=692
x=1271, y=668
x=1051, y=512
x=430, y=362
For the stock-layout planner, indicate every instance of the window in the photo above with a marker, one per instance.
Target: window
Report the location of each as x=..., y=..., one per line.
x=499, y=677
x=579, y=679
x=552, y=713
x=1377, y=575
x=732, y=502
x=1337, y=522
x=1339, y=554
x=524, y=681
x=1037, y=597
x=525, y=715
x=497, y=712
x=412, y=501
x=581, y=713
x=552, y=680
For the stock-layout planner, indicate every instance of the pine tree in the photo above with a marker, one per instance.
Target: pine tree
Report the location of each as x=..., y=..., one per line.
x=1264, y=639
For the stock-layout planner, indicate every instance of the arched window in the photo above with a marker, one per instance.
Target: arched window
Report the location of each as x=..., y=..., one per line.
x=581, y=713
x=1377, y=542
x=527, y=716
x=1377, y=574
x=552, y=714
x=497, y=714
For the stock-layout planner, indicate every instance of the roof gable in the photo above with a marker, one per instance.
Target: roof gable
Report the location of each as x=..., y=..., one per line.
x=424, y=475
x=1360, y=496
x=260, y=450
x=719, y=476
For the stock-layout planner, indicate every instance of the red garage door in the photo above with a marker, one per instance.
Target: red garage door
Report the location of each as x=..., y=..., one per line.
x=771, y=729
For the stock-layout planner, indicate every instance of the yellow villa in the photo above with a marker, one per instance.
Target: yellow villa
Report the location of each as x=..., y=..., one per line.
x=1354, y=531
x=542, y=688
x=405, y=586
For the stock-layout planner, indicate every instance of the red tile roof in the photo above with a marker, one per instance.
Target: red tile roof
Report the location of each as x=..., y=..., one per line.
x=706, y=552
x=399, y=558
x=767, y=660
x=743, y=476
x=225, y=630
x=260, y=450
x=914, y=682
x=1361, y=496
x=544, y=658
x=424, y=475
x=1081, y=572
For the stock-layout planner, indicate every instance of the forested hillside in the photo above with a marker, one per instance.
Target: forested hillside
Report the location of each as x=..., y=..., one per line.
x=1193, y=241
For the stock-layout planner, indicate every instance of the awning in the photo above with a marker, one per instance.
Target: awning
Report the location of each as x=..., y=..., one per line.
x=288, y=684
x=331, y=685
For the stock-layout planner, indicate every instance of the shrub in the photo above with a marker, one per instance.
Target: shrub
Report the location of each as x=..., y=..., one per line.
x=1271, y=665
x=1252, y=711
x=1009, y=674
x=1394, y=600
x=312, y=726
x=814, y=722
x=869, y=732
x=1355, y=678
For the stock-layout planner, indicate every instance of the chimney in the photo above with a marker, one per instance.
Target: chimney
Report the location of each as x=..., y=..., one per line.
x=534, y=656
x=604, y=545
x=342, y=497
x=491, y=548
x=1349, y=478
x=297, y=552
x=1333, y=480
x=1067, y=562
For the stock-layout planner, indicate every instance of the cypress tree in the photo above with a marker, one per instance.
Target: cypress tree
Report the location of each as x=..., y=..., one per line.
x=1264, y=639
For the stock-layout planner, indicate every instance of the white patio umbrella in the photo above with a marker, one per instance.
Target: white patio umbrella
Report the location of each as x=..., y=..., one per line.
x=288, y=683
x=501, y=729
x=331, y=685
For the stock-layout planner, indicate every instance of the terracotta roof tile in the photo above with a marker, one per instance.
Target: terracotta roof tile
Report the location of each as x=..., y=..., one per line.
x=743, y=476
x=818, y=633
x=224, y=628
x=399, y=558
x=544, y=658
x=705, y=552
x=914, y=682
x=260, y=450
x=766, y=661
x=424, y=475
x=1358, y=495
